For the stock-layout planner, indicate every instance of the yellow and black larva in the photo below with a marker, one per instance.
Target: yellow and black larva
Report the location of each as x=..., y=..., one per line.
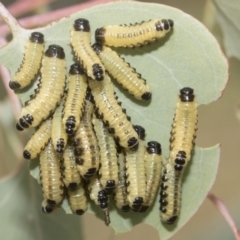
x=113, y=114
x=99, y=196
x=108, y=169
x=134, y=35
x=120, y=192
x=58, y=134
x=53, y=72
x=120, y=70
x=31, y=62
x=70, y=174
x=182, y=141
x=135, y=173
x=39, y=140
x=80, y=40
x=153, y=170
x=50, y=176
x=85, y=142
x=78, y=200
x=77, y=87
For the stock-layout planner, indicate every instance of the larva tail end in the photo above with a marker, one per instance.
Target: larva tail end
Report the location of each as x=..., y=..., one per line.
x=171, y=220
x=146, y=96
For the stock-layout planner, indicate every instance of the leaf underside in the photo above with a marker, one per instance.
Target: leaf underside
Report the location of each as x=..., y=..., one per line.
x=189, y=56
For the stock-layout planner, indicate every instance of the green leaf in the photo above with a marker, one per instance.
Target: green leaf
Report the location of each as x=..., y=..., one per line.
x=189, y=56
x=227, y=13
x=21, y=214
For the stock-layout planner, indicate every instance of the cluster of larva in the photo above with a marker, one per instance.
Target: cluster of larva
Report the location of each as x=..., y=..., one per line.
x=85, y=140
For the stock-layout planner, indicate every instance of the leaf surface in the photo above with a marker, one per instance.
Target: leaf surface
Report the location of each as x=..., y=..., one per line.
x=189, y=56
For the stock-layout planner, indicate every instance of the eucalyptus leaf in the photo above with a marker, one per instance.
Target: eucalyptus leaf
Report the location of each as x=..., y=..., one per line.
x=228, y=16
x=21, y=214
x=189, y=56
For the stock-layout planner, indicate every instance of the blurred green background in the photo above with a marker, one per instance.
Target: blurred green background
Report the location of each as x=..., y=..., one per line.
x=217, y=124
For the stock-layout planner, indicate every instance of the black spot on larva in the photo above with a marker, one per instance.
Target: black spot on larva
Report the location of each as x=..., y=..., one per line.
x=140, y=131
x=111, y=183
x=81, y=24
x=146, y=96
x=158, y=26
x=99, y=35
x=163, y=194
x=178, y=167
x=163, y=202
x=55, y=51
x=125, y=208
x=154, y=147
x=164, y=178
x=78, y=151
x=187, y=94
x=180, y=161
x=90, y=173
x=144, y=208
x=103, y=205
x=18, y=127
x=138, y=201
x=79, y=161
x=97, y=48
x=72, y=186
x=37, y=37
x=26, y=154
x=171, y=23
x=51, y=202
x=79, y=212
x=76, y=68
x=89, y=96
x=163, y=209
x=97, y=72
x=164, y=187
x=14, y=85
x=165, y=24
x=171, y=220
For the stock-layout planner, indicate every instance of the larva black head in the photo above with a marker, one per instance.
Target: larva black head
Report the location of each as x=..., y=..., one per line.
x=47, y=209
x=55, y=51
x=97, y=72
x=81, y=24
x=187, y=94
x=140, y=131
x=97, y=48
x=79, y=212
x=26, y=154
x=14, y=85
x=99, y=35
x=133, y=144
x=90, y=173
x=70, y=125
x=76, y=68
x=154, y=147
x=72, y=186
x=89, y=96
x=37, y=37
x=171, y=23
x=146, y=96
x=171, y=220
x=24, y=122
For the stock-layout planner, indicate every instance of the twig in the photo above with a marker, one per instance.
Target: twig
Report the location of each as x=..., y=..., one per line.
x=5, y=75
x=224, y=211
x=43, y=19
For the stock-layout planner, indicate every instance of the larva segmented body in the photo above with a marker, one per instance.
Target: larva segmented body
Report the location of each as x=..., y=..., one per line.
x=135, y=173
x=108, y=170
x=85, y=142
x=120, y=192
x=153, y=169
x=99, y=196
x=125, y=75
x=70, y=174
x=39, y=140
x=77, y=87
x=53, y=73
x=134, y=35
x=50, y=176
x=113, y=114
x=58, y=134
x=182, y=141
x=78, y=200
x=31, y=62
x=80, y=40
